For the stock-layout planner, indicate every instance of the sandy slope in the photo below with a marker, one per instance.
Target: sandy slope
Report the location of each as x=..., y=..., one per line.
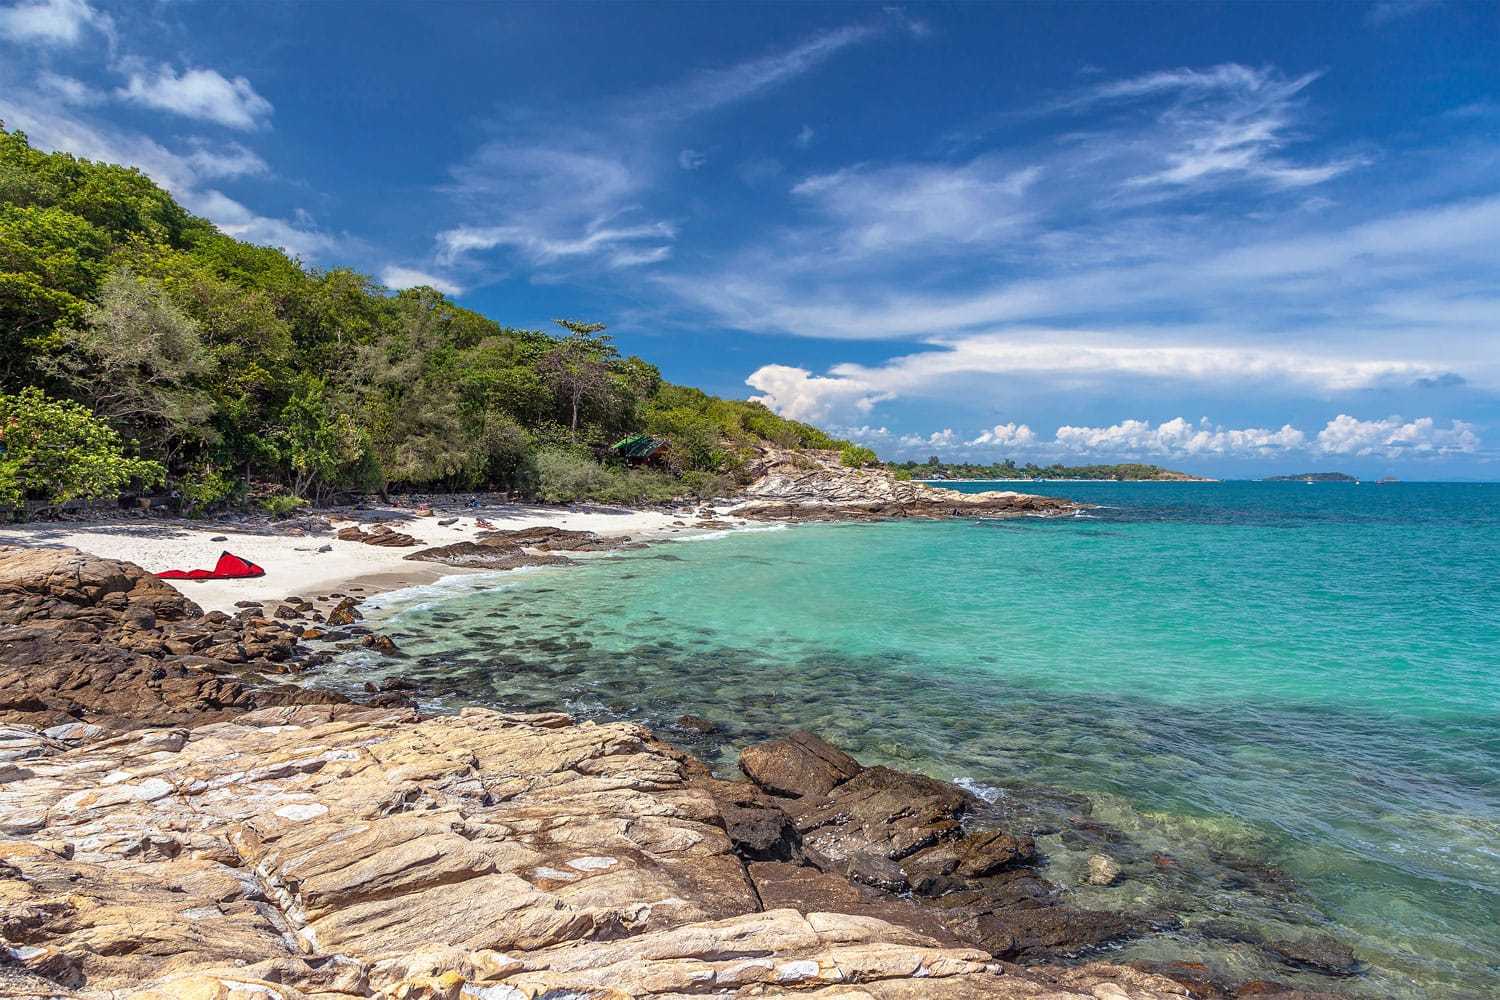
x=295, y=566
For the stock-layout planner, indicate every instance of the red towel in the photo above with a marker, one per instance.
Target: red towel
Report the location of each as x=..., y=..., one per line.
x=229, y=567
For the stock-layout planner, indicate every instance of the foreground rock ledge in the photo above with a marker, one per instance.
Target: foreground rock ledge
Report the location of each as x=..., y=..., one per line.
x=344, y=851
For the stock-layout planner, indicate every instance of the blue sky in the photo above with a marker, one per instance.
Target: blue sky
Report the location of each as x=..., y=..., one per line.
x=1232, y=238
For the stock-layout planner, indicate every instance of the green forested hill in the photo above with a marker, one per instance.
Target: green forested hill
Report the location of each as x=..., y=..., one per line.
x=223, y=368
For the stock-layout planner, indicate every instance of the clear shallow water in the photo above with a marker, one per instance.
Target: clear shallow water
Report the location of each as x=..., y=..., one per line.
x=1307, y=676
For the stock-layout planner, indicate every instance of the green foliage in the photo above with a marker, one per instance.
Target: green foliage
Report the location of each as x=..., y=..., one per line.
x=231, y=364
x=857, y=456
x=204, y=486
x=56, y=451
x=281, y=504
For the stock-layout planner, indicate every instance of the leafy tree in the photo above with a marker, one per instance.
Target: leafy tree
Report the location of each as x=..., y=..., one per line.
x=55, y=450
x=139, y=362
x=314, y=438
x=577, y=368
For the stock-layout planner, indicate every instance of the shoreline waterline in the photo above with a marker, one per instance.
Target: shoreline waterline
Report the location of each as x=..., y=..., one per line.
x=825, y=631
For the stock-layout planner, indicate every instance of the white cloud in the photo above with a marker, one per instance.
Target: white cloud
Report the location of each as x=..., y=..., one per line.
x=691, y=159
x=52, y=22
x=945, y=438
x=228, y=161
x=1225, y=123
x=1063, y=357
x=1178, y=437
x=67, y=90
x=1011, y=435
x=881, y=209
x=559, y=204
x=804, y=137
x=707, y=90
x=800, y=395
x=299, y=238
x=203, y=94
x=401, y=278
x=1393, y=437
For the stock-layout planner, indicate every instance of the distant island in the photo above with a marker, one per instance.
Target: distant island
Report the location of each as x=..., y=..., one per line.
x=1126, y=472
x=1313, y=477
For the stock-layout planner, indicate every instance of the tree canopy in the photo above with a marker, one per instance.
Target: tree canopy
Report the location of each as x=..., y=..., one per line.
x=236, y=368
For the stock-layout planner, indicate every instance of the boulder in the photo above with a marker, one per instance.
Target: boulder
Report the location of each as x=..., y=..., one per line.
x=796, y=765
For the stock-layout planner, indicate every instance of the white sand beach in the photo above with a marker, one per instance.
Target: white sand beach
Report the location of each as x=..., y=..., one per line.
x=295, y=566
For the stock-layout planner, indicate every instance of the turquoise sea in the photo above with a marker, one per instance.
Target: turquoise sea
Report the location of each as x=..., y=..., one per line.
x=1285, y=699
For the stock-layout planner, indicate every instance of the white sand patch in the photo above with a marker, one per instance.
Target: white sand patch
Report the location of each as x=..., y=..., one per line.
x=293, y=564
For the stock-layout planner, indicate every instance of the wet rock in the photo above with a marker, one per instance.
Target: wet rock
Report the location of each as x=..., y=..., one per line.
x=1322, y=954
x=476, y=555
x=876, y=871
x=796, y=765
x=697, y=724
x=382, y=644
x=1103, y=870
x=990, y=851
x=346, y=612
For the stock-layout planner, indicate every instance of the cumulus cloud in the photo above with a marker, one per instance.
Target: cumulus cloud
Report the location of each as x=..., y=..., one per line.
x=1011, y=435
x=1393, y=437
x=60, y=23
x=203, y=94
x=400, y=278
x=1178, y=437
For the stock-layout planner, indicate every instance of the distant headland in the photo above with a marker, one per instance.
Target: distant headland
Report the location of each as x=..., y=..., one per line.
x=1314, y=477
x=932, y=469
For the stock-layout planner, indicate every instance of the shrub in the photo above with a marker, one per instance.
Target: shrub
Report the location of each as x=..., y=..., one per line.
x=857, y=457
x=564, y=476
x=54, y=450
x=281, y=504
x=204, y=486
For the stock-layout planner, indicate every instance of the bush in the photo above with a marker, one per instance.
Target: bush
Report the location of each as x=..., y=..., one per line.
x=564, y=476
x=857, y=457
x=204, y=486
x=281, y=504
x=57, y=451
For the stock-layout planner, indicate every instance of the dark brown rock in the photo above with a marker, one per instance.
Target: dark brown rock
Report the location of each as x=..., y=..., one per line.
x=797, y=765
x=477, y=555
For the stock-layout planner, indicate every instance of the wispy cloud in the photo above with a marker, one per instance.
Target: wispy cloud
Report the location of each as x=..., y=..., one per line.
x=202, y=94
x=61, y=23
x=1387, y=11
x=551, y=194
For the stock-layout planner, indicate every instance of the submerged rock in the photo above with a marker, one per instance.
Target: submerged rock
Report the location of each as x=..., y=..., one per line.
x=1103, y=870
x=480, y=555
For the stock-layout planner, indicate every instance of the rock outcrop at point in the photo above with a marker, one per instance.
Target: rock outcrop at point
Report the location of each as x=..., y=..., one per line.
x=805, y=485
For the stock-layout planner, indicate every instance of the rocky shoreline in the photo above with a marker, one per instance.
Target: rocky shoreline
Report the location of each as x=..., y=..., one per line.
x=803, y=485
x=178, y=821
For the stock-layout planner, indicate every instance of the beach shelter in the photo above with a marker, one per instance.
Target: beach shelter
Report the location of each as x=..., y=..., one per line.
x=229, y=567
